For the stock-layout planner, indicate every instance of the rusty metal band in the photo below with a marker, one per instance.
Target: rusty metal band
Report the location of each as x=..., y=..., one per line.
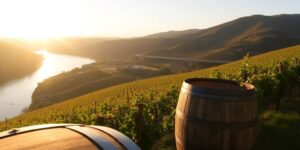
x=120, y=137
x=101, y=143
x=216, y=124
x=187, y=84
x=220, y=98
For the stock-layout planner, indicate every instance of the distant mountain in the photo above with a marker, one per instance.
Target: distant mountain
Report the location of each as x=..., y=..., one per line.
x=16, y=61
x=229, y=41
x=124, y=49
x=173, y=34
x=71, y=45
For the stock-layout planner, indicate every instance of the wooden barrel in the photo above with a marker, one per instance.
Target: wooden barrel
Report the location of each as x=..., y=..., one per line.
x=65, y=136
x=215, y=114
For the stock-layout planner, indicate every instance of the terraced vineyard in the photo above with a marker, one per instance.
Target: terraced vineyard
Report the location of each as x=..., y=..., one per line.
x=85, y=106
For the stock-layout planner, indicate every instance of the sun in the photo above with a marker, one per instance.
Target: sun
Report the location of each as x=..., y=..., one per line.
x=39, y=20
x=42, y=27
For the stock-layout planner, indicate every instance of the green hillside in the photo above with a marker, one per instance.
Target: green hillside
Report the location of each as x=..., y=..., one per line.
x=87, y=79
x=121, y=93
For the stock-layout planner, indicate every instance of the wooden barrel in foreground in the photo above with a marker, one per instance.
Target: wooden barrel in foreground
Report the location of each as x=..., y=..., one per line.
x=65, y=136
x=215, y=114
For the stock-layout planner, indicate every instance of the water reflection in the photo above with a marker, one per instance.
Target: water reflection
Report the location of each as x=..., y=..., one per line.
x=16, y=95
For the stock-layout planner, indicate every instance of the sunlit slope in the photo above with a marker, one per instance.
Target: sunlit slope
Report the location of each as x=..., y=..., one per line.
x=255, y=34
x=16, y=61
x=121, y=93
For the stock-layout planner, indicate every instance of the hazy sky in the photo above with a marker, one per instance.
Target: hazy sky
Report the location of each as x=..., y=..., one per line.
x=126, y=18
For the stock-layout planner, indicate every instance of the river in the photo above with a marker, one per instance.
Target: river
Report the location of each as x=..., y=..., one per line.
x=16, y=95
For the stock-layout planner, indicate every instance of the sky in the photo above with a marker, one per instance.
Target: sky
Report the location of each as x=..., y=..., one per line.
x=125, y=18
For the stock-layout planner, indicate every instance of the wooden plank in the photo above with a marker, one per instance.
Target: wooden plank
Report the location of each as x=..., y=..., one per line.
x=57, y=138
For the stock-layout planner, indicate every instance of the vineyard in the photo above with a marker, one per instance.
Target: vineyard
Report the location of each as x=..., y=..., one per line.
x=154, y=100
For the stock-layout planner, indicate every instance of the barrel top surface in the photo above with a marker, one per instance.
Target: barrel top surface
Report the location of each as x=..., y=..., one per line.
x=51, y=138
x=70, y=134
x=218, y=87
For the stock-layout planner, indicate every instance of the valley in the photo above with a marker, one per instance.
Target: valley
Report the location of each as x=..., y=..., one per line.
x=108, y=81
x=100, y=75
x=118, y=103
x=124, y=60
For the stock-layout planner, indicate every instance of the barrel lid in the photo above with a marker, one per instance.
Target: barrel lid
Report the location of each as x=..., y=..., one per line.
x=219, y=87
x=99, y=135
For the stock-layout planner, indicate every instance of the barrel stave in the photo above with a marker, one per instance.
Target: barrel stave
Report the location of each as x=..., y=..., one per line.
x=216, y=119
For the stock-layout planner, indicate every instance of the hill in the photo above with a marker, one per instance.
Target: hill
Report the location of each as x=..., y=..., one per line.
x=70, y=45
x=74, y=46
x=229, y=41
x=122, y=93
x=16, y=62
x=173, y=34
x=89, y=78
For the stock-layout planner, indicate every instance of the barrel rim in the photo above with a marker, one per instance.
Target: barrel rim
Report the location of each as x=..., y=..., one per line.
x=124, y=141
x=25, y=129
x=245, y=90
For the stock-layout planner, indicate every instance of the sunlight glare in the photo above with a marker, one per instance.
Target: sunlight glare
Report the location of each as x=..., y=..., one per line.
x=49, y=64
x=44, y=53
x=40, y=19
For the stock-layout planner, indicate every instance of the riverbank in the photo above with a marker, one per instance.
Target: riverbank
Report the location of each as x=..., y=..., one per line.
x=89, y=78
x=16, y=94
x=16, y=64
